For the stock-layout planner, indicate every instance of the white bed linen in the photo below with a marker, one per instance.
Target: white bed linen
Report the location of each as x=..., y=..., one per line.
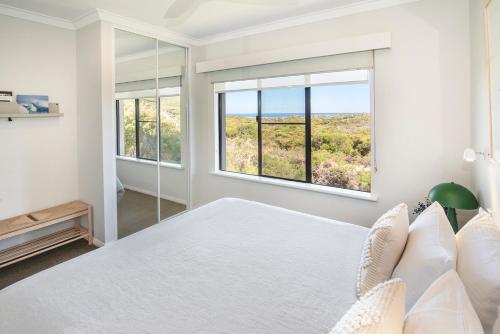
x=231, y=266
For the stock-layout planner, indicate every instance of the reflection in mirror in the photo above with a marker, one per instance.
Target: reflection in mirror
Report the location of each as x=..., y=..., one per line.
x=136, y=125
x=172, y=92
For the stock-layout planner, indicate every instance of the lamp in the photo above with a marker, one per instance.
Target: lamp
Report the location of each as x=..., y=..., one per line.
x=453, y=196
x=470, y=155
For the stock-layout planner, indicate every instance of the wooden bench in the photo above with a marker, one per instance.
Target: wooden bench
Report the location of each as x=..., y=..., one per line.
x=19, y=225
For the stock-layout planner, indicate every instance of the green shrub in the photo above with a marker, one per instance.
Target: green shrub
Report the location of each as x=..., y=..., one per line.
x=340, y=149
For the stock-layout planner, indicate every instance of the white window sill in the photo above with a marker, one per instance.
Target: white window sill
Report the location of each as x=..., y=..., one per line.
x=149, y=162
x=303, y=186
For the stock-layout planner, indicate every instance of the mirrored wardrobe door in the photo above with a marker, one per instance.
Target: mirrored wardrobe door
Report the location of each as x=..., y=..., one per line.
x=136, y=129
x=173, y=147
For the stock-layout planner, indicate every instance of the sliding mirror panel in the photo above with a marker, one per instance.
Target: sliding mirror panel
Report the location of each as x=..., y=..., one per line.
x=172, y=101
x=136, y=130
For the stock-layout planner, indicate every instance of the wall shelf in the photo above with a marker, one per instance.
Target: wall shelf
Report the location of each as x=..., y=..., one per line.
x=32, y=115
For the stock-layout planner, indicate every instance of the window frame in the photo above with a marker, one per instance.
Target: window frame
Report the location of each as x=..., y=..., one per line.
x=137, y=156
x=281, y=181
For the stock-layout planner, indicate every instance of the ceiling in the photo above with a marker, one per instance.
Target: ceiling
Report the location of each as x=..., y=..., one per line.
x=209, y=18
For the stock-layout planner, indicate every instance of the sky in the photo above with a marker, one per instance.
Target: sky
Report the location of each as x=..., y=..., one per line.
x=353, y=98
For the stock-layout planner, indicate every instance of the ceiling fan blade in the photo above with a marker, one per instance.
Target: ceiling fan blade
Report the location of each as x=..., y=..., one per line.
x=179, y=8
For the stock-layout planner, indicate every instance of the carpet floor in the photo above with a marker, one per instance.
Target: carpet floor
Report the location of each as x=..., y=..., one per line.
x=136, y=211
x=31, y=266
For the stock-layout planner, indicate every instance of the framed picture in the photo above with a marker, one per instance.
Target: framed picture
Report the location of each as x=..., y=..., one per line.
x=34, y=103
x=492, y=32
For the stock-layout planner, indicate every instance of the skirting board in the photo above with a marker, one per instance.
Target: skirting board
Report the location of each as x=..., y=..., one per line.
x=151, y=193
x=97, y=242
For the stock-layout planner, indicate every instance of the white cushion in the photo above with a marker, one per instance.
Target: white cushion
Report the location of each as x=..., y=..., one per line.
x=379, y=311
x=478, y=265
x=430, y=252
x=383, y=248
x=444, y=308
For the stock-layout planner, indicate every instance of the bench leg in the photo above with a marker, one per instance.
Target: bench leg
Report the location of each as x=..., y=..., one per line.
x=90, y=226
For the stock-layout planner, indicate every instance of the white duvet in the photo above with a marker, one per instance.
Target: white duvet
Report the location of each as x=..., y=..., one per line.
x=231, y=266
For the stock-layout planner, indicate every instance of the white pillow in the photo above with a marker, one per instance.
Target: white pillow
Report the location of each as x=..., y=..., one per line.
x=444, y=308
x=379, y=311
x=478, y=265
x=430, y=252
x=383, y=248
x=496, y=327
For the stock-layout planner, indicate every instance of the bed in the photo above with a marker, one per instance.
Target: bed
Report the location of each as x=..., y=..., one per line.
x=231, y=266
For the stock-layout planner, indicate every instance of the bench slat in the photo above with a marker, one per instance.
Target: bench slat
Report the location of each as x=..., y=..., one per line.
x=30, y=221
x=59, y=211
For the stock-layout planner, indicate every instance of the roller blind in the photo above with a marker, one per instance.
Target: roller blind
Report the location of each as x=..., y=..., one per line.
x=131, y=86
x=357, y=60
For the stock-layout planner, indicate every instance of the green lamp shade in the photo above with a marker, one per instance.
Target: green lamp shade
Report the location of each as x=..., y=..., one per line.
x=453, y=196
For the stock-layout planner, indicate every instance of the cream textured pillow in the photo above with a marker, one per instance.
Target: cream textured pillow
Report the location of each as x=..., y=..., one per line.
x=379, y=311
x=430, y=252
x=478, y=265
x=383, y=248
x=444, y=308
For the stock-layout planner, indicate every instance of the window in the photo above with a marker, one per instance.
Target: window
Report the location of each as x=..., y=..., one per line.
x=136, y=124
x=170, y=129
x=311, y=128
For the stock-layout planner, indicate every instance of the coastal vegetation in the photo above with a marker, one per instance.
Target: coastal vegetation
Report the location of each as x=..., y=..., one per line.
x=340, y=149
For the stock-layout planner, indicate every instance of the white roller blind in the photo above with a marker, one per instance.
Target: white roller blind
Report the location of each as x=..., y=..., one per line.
x=303, y=80
x=357, y=60
x=148, y=84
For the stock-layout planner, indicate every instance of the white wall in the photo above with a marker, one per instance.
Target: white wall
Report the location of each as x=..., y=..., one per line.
x=142, y=177
x=51, y=161
x=96, y=139
x=422, y=107
x=486, y=172
x=38, y=164
x=90, y=175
